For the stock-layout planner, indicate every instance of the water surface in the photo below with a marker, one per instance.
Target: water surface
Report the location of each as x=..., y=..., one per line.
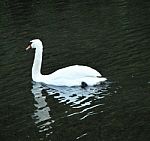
x=110, y=36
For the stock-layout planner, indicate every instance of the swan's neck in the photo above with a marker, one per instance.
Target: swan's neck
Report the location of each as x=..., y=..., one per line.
x=36, y=68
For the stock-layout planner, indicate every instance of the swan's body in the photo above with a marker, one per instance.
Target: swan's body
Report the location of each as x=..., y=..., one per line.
x=68, y=76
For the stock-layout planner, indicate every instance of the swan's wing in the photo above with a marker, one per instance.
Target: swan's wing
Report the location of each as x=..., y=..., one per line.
x=75, y=72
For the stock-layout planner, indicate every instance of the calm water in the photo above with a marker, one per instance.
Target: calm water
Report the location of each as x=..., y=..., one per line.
x=110, y=36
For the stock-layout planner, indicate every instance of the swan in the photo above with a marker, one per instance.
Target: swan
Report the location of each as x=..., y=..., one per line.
x=76, y=75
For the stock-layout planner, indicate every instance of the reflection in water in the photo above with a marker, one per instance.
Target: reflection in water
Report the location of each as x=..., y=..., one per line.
x=41, y=113
x=82, y=102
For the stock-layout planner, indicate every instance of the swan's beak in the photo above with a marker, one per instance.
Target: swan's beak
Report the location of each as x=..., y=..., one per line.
x=28, y=47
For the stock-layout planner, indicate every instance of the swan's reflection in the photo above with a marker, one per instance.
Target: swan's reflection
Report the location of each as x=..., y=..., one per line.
x=81, y=101
x=42, y=111
x=77, y=97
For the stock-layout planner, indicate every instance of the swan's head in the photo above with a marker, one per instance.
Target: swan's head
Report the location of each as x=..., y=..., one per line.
x=36, y=43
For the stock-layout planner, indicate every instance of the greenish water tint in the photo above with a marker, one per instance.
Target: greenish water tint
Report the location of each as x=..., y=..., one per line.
x=111, y=36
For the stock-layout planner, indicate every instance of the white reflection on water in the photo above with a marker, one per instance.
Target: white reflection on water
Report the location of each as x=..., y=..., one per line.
x=83, y=101
x=77, y=97
x=41, y=112
x=81, y=136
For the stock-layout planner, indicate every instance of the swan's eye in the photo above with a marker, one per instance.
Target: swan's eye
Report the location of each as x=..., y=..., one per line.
x=29, y=44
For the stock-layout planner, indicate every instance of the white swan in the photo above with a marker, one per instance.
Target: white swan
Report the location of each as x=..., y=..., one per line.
x=75, y=75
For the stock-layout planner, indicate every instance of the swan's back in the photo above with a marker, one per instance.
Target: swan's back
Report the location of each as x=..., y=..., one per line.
x=74, y=72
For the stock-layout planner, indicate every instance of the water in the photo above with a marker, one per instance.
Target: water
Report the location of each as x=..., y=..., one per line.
x=110, y=36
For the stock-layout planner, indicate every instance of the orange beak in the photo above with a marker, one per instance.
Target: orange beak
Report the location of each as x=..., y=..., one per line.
x=28, y=47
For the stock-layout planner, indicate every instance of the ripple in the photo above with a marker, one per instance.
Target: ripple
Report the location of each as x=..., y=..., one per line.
x=85, y=134
x=82, y=103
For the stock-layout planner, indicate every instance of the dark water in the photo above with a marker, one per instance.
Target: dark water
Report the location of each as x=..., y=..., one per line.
x=110, y=36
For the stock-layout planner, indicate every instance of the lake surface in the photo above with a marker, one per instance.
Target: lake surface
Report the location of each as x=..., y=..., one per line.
x=111, y=36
